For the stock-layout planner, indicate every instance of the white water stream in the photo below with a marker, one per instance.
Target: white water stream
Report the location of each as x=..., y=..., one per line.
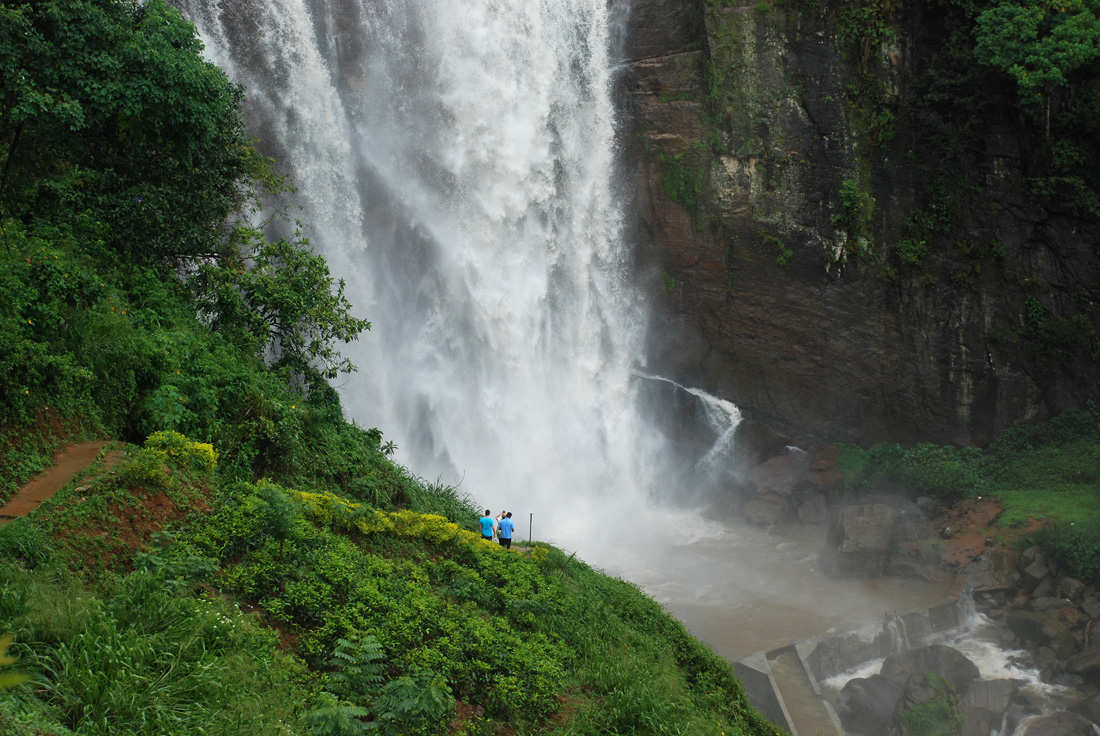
x=456, y=166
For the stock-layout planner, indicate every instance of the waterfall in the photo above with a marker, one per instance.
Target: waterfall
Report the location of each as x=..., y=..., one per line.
x=456, y=165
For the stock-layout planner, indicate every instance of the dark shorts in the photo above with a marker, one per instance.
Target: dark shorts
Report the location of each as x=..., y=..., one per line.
x=506, y=542
x=487, y=537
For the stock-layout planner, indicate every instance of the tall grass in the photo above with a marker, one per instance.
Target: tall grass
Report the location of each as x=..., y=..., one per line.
x=140, y=660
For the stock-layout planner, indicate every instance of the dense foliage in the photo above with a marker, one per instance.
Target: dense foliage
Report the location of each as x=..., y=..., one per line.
x=126, y=183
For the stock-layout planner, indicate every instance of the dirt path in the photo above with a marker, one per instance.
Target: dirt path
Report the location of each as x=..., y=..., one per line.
x=67, y=463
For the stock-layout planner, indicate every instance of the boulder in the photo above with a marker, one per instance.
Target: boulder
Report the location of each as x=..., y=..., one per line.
x=1050, y=603
x=860, y=541
x=939, y=659
x=1062, y=723
x=994, y=572
x=823, y=472
x=1042, y=629
x=1089, y=708
x=768, y=507
x=984, y=706
x=1085, y=663
x=754, y=443
x=1070, y=588
x=1091, y=607
x=783, y=472
x=814, y=511
x=866, y=705
x=1033, y=568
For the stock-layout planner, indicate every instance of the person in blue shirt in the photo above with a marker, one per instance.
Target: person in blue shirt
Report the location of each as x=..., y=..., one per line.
x=506, y=527
x=487, y=526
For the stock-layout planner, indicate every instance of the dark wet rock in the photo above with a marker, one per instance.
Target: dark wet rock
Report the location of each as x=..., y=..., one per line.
x=1032, y=575
x=995, y=571
x=1045, y=659
x=1062, y=723
x=755, y=443
x=1070, y=588
x=866, y=704
x=1091, y=607
x=823, y=472
x=913, y=569
x=947, y=662
x=860, y=541
x=1050, y=604
x=783, y=472
x=814, y=511
x=984, y=705
x=768, y=507
x=1086, y=662
x=1044, y=589
x=1089, y=708
x=1042, y=629
x=1070, y=681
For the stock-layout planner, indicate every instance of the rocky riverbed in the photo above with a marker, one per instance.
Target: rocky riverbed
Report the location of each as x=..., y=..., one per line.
x=1044, y=619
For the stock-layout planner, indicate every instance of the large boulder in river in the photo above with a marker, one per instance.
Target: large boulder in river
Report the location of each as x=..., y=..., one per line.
x=866, y=705
x=1062, y=723
x=768, y=507
x=939, y=659
x=860, y=541
x=984, y=706
x=782, y=472
x=1042, y=629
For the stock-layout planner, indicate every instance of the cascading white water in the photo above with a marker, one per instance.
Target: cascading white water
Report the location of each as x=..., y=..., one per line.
x=456, y=163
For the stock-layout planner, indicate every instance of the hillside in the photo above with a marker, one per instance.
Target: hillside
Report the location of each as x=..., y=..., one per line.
x=255, y=563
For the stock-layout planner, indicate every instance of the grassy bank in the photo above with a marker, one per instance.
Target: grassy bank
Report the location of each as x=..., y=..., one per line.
x=1049, y=472
x=227, y=607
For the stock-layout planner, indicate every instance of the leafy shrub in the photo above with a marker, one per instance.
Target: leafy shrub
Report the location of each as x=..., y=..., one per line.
x=1075, y=546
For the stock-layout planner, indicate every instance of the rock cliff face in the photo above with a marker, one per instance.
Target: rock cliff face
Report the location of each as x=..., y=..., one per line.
x=840, y=240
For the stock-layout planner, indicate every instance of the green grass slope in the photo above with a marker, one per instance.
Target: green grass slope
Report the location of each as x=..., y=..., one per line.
x=247, y=607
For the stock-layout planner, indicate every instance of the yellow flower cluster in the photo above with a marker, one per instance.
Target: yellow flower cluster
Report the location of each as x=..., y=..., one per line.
x=198, y=455
x=331, y=509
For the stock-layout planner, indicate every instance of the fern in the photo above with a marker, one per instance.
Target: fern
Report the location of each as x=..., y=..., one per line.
x=334, y=717
x=358, y=666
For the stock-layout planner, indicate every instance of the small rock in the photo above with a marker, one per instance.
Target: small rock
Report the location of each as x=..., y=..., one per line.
x=767, y=507
x=1091, y=607
x=1033, y=573
x=1049, y=604
x=1070, y=588
x=1044, y=588
x=814, y=511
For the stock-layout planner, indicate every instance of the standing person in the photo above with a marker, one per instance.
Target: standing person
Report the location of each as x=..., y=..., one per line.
x=487, y=526
x=506, y=527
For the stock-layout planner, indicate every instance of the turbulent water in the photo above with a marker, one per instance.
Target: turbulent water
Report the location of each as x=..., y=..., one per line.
x=456, y=166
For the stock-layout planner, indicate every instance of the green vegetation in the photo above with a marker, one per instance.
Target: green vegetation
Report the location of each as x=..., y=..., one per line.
x=258, y=565
x=783, y=253
x=361, y=617
x=1039, y=45
x=935, y=716
x=855, y=217
x=684, y=185
x=1049, y=472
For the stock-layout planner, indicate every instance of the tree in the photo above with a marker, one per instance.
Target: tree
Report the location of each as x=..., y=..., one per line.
x=280, y=295
x=1039, y=43
x=108, y=106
